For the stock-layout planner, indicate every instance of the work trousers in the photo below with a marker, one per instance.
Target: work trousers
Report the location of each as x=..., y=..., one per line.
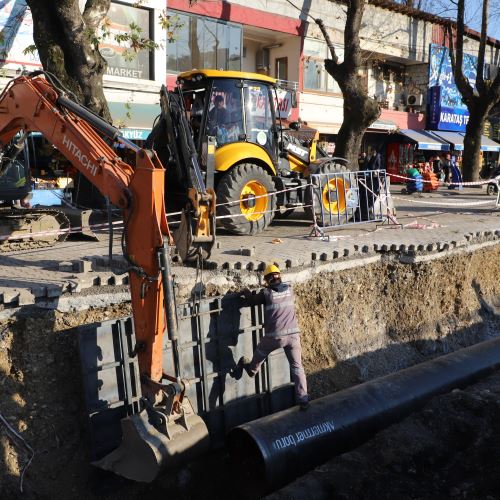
x=293, y=351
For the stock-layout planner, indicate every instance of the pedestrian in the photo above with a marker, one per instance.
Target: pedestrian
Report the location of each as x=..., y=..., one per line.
x=437, y=168
x=375, y=161
x=447, y=168
x=362, y=161
x=281, y=330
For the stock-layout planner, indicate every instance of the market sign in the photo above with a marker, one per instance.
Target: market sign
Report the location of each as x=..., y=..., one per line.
x=447, y=111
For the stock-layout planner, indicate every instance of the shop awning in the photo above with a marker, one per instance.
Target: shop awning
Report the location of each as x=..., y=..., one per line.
x=425, y=140
x=455, y=139
x=487, y=144
x=383, y=126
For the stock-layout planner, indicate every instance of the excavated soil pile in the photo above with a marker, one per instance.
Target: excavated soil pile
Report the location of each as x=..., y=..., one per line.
x=357, y=324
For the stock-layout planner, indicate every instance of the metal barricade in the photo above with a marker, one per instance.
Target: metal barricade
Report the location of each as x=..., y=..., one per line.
x=345, y=198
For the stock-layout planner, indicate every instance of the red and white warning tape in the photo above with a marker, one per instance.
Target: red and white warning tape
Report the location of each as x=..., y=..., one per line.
x=475, y=183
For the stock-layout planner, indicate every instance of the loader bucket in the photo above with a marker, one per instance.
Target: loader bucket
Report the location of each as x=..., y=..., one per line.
x=144, y=451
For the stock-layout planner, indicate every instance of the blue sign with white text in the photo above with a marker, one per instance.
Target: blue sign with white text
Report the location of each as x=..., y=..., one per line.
x=447, y=111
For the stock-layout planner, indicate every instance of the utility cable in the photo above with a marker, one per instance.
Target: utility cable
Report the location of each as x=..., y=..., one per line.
x=17, y=439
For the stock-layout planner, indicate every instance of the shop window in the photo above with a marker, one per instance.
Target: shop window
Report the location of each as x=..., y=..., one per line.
x=315, y=76
x=140, y=66
x=204, y=43
x=281, y=71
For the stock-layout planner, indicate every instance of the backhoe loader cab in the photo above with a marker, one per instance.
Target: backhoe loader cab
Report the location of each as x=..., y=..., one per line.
x=260, y=164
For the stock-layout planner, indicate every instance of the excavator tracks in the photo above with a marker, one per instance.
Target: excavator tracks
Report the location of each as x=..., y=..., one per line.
x=28, y=228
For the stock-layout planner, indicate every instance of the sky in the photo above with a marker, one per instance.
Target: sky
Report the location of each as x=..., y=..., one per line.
x=473, y=12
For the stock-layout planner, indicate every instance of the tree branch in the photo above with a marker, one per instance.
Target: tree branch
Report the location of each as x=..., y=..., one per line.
x=457, y=56
x=482, y=48
x=95, y=11
x=328, y=41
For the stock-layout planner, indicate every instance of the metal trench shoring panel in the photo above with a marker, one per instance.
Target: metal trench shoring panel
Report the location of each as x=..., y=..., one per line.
x=111, y=383
x=347, y=198
x=213, y=334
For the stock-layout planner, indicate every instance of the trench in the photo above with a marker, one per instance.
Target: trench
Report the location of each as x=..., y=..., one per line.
x=357, y=324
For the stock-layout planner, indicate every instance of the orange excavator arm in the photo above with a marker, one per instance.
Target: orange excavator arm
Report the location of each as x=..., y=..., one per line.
x=33, y=104
x=166, y=430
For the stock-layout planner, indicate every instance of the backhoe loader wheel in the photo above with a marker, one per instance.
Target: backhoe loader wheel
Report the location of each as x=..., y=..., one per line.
x=248, y=186
x=330, y=204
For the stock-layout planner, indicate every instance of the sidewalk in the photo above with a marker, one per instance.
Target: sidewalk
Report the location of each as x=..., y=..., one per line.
x=432, y=222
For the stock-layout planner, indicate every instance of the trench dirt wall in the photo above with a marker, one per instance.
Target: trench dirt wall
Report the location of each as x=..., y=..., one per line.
x=356, y=324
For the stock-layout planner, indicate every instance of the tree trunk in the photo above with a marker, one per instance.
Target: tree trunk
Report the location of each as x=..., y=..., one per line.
x=471, y=160
x=360, y=111
x=64, y=39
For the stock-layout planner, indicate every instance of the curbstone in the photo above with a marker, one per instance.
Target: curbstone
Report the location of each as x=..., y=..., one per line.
x=248, y=252
x=323, y=257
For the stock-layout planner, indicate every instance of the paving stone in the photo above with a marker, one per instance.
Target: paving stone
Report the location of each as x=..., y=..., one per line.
x=248, y=252
x=11, y=297
x=25, y=298
x=66, y=267
x=82, y=266
x=54, y=291
x=38, y=290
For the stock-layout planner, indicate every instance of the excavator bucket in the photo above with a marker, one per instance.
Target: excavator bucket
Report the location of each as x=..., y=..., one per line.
x=144, y=451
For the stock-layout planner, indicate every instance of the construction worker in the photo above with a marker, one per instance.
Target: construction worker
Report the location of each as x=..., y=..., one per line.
x=281, y=330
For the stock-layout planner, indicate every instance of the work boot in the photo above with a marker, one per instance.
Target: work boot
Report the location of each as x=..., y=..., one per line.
x=243, y=364
x=304, y=405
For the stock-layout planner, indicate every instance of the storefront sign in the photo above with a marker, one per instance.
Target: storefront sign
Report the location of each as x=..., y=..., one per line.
x=447, y=110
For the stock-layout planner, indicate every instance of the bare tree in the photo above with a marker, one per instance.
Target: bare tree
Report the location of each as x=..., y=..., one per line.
x=68, y=47
x=479, y=100
x=360, y=111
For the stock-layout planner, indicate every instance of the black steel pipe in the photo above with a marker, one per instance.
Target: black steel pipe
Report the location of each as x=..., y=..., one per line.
x=271, y=451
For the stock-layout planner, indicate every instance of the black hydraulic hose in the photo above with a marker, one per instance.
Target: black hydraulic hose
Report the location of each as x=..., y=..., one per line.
x=170, y=307
x=97, y=122
x=273, y=450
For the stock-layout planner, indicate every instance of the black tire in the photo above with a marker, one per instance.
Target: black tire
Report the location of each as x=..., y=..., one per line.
x=250, y=178
x=338, y=217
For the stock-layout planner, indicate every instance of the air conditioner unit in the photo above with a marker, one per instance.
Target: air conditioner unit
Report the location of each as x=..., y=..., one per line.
x=414, y=100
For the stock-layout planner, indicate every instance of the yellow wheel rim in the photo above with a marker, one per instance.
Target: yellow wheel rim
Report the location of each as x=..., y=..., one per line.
x=251, y=205
x=334, y=196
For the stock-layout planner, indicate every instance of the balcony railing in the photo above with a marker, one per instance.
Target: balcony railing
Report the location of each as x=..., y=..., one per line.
x=287, y=85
